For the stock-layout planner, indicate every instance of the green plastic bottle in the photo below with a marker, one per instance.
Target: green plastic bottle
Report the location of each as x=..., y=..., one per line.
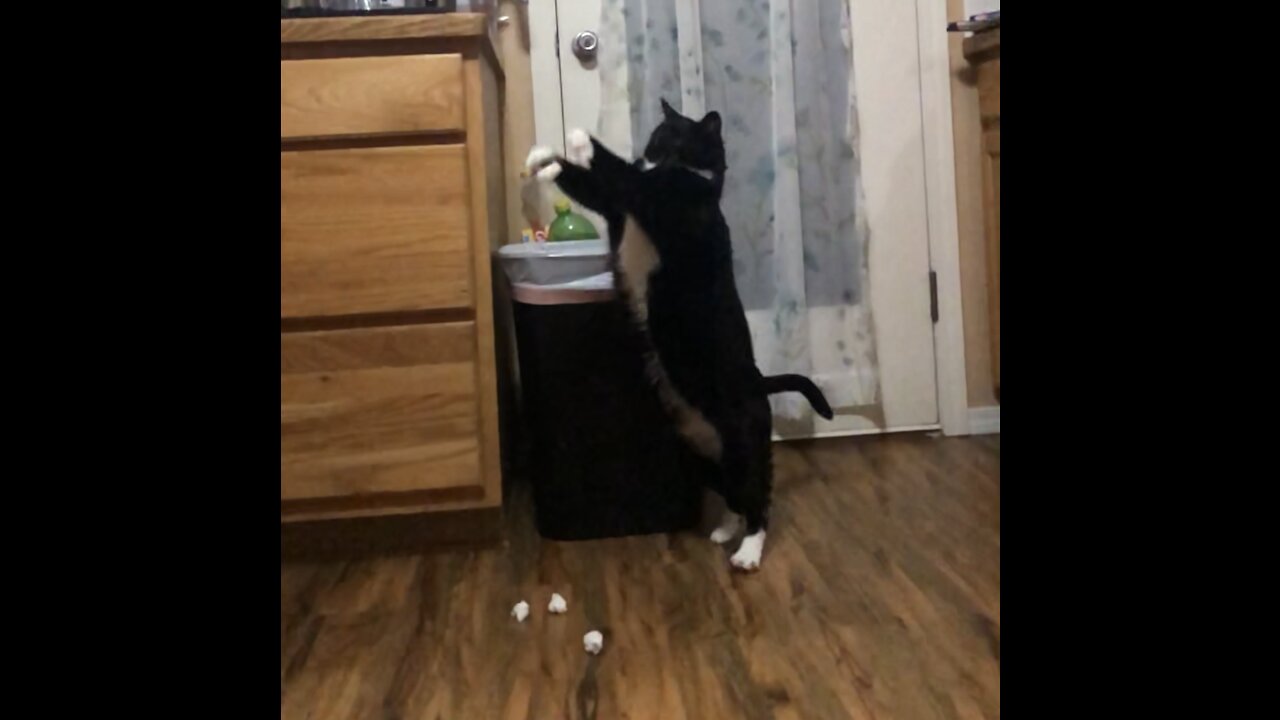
x=569, y=225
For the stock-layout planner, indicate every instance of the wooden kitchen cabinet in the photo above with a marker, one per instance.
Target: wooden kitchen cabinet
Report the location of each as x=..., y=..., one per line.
x=379, y=410
x=391, y=200
x=370, y=230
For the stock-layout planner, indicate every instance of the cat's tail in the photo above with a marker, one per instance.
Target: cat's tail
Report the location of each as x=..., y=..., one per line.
x=774, y=384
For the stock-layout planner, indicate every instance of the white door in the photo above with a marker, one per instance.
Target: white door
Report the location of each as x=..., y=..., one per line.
x=897, y=389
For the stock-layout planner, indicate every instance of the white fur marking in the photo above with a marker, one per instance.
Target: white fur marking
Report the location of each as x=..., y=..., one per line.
x=637, y=259
x=557, y=604
x=730, y=522
x=578, y=148
x=550, y=172
x=647, y=165
x=749, y=552
x=592, y=642
x=705, y=174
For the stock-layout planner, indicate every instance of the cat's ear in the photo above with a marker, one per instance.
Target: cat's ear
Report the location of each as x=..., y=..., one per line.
x=667, y=110
x=711, y=122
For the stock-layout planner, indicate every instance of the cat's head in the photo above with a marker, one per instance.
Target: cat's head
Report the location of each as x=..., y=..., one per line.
x=693, y=143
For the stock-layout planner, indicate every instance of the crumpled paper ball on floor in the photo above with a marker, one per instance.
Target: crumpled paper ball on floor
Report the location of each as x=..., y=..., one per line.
x=520, y=611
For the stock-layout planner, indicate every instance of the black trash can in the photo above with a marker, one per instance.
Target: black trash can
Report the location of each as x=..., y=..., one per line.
x=605, y=459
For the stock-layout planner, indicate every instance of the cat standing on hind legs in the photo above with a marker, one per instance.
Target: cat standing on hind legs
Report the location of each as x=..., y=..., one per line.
x=673, y=263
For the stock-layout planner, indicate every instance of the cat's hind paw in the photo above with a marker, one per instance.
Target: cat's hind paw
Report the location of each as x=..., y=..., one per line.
x=749, y=553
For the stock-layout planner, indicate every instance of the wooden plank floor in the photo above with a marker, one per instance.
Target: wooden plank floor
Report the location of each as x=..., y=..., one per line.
x=879, y=597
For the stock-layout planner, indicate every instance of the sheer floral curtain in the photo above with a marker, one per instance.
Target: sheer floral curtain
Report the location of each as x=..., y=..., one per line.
x=780, y=72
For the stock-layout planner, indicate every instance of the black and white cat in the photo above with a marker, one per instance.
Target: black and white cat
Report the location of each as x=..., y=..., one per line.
x=674, y=268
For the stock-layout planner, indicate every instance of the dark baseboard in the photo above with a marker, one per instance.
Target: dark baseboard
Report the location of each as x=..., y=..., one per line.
x=355, y=538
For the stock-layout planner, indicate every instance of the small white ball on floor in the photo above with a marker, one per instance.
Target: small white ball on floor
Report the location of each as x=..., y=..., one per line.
x=520, y=611
x=593, y=642
x=557, y=604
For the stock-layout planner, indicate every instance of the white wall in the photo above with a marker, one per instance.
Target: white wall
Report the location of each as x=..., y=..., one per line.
x=973, y=7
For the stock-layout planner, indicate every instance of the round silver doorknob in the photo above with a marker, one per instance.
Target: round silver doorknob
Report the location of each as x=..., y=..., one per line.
x=585, y=44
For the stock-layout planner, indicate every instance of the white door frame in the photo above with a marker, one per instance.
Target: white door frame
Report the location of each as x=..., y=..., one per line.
x=940, y=198
x=940, y=178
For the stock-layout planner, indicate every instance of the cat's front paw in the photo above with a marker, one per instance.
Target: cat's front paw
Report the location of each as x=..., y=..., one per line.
x=578, y=148
x=538, y=157
x=550, y=172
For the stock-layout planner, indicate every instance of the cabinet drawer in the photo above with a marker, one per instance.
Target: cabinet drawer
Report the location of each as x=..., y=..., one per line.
x=378, y=410
x=371, y=95
x=371, y=230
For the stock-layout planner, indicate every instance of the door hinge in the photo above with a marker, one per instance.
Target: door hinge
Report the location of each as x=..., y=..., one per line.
x=933, y=295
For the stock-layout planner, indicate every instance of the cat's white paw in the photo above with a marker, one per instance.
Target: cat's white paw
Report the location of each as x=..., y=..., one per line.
x=537, y=157
x=721, y=535
x=748, y=555
x=578, y=148
x=728, y=528
x=550, y=172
